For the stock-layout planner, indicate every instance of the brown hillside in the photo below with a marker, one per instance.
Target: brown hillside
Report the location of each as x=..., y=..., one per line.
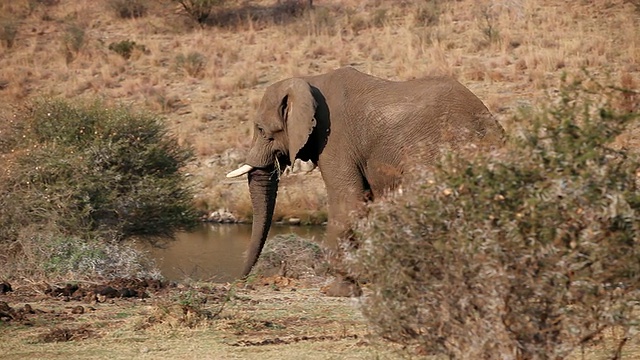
x=207, y=81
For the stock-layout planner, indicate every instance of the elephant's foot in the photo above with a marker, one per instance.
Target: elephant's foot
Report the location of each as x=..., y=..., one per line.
x=342, y=287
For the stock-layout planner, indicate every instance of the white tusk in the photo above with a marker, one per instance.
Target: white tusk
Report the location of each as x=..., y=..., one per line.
x=240, y=171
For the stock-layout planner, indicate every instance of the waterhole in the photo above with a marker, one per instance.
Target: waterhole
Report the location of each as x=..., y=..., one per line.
x=215, y=252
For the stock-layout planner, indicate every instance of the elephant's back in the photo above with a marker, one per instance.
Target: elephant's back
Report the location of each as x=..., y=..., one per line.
x=426, y=114
x=457, y=112
x=424, y=117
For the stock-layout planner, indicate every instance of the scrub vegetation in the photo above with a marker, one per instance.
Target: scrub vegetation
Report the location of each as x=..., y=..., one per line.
x=531, y=252
x=119, y=120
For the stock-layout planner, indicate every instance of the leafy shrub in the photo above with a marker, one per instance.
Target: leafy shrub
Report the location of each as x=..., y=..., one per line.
x=380, y=17
x=528, y=253
x=427, y=12
x=488, y=22
x=74, y=38
x=290, y=8
x=8, y=32
x=129, y=9
x=193, y=63
x=41, y=251
x=77, y=258
x=321, y=21
x=199, y=10
x=44, y=2
x=92, y=172
x=126, y=47
x=635, y=3
x=73, y=41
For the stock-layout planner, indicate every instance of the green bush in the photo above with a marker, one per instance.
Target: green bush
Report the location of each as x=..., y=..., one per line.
x=199, y=10
x=530, y=252
x=8, y=32
x=92, y=172
x=125, y=48
x=45, y=252
x=128, y=9
x=194, y=63
x=33, y=3
x=77, y=258
x=427, y=12
x=73, y=40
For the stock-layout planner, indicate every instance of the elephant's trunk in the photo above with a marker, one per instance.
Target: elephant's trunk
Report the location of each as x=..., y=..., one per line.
x=263, y=187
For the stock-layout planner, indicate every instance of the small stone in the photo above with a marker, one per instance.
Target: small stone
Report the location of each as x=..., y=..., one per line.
x=221, y=216
x=5, y=287
x=108, y=292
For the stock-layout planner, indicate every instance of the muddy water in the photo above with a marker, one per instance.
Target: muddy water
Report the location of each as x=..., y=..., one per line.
x=215, y=251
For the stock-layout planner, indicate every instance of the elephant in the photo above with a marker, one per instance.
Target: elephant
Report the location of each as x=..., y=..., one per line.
x=362, y=132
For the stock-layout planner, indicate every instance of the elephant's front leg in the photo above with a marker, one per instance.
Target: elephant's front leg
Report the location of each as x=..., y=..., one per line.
x=344, y=207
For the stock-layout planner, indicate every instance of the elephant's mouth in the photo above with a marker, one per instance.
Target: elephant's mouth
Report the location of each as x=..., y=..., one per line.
x=281, y=161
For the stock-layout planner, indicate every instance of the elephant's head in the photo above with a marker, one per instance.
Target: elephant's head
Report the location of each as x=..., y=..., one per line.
x=283, y=126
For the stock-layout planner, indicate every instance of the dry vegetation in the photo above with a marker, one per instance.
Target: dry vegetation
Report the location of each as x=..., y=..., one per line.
x=208, y=80
x=277, y=319
x=530, y=252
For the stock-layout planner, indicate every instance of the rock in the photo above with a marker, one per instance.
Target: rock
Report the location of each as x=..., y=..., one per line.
x=221, y=216
x=5, y=287
x=67, y=291
x=300, y=167
x=294, y=221
x=128, y=293
x=107, y=291
x=4, y=306
x=305, y=166
x=9, y=313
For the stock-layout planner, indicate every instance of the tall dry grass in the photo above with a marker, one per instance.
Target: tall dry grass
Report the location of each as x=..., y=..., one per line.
x=510, y=53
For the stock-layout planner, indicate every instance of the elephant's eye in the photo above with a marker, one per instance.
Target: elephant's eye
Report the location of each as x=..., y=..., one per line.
x=264, y=134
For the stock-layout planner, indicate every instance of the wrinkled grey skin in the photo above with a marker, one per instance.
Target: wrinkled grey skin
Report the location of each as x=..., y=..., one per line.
x=362, y=132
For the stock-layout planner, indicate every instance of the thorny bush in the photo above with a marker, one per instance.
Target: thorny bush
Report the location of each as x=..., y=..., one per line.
x=91, y=171
x=528, y=252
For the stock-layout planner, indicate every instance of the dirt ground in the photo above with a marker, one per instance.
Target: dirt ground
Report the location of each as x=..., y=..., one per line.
x=274, y=318
x=266, y=318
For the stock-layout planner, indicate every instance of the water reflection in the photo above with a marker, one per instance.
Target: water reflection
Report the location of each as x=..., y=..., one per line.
x=215, y=251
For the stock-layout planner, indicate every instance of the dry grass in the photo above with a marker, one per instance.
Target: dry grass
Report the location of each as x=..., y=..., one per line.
x=272, y=321
x=510, y=53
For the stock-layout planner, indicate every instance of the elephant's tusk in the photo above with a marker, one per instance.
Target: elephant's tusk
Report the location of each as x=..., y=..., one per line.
x=240, y=171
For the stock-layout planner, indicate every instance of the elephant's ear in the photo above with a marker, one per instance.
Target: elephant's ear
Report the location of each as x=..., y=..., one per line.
x=298, y=109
